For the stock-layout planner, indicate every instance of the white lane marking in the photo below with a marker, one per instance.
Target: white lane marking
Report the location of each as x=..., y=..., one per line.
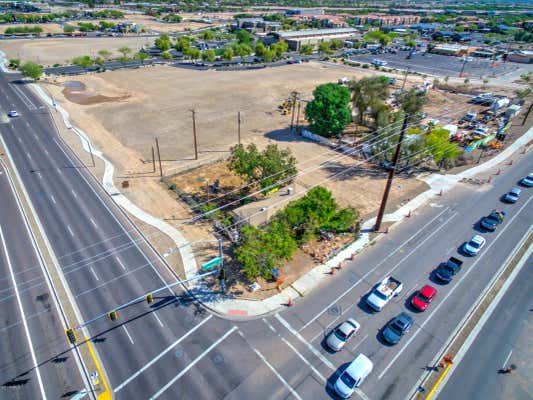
x=73, y=193
x=158, y=320
x=25, y=99
x=507, y=359
x=443, y=301
x=156, y=358
x=39, y=175
x=94, y=223
x=120, y=263
x=46, y=151
x=269, y=325
x=193, y=363
x=70, y=231
x=278, y=375
x=358, y=343
x=127, y=333
x=24, y=322
x=59, y=171
x=34, y=135
x=309, y=346
x=361, y=394
x=18, y=138
x=29, y=155
x=94, y=273
x=372, y=270
x=107, y=282
x=301, y=357
x=53, y=199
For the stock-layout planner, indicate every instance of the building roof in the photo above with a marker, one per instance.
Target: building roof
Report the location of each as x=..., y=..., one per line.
x=450, y=47
x=315, y=32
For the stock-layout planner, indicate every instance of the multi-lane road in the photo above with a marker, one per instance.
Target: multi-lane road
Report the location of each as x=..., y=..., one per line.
x=175, y=348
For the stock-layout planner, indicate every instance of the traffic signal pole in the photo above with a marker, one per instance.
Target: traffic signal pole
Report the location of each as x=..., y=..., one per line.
x=388, y=186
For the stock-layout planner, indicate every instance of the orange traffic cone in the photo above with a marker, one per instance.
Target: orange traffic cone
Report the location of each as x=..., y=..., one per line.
x=289, y=302
x=340, y=265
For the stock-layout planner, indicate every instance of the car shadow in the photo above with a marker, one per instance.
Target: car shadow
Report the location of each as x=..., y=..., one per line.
x=325, y=346
x=462, y=252
x=408, y=304
x=379, y=335
x=363, y=306
x=478, y=228
x=434, y=279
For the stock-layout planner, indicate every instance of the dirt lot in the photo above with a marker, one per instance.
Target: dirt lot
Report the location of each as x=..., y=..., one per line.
x=123, y=111
x=50, y=51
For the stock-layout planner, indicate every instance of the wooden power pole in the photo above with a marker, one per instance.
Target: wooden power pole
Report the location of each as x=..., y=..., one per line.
x=379, y=218
x=194, y=134
x=239, y=127
x=298, y=117
x=159, y=157
x=153, y=160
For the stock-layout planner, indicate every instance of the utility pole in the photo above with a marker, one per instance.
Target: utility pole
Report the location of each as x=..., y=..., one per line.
x=294, y=96
x=194, y=134
x=462, y=69
x=239, y=127
x=379, y=218
x=153, y=160
x=527, y=114
x=159, y=157
x=91, y=152
x=405, y=77
x=298, y=117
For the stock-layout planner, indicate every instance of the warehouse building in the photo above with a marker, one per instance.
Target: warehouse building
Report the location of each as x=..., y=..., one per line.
x=295, y=39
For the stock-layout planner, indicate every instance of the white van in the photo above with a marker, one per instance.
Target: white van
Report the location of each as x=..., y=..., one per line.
x=353, y=376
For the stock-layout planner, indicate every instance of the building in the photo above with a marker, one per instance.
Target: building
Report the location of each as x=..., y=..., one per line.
x=522, y=56
x=450, y=49
x=304, y=11
x=295, y=39
x=323, y=21
x=385, y=19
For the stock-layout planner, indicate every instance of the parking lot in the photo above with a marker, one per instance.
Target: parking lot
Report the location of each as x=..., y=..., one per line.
x=436, y=64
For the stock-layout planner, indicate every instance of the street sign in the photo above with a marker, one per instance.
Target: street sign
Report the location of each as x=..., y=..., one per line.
x=211, y=263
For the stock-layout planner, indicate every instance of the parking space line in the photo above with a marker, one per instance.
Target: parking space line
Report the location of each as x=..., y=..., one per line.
x=278, y=375
x=269, y=325
x=73, y=193
x=70, y=231
x=94, y=223
x=361, y=341
x=127, y=333
x=301, y=357
x=120, y=263
x=158, y=320
x=452, y=290
x=372, y=270
x=193, y=363
x=507, y=359
x=53, y=199
x=29, y=155
x=160, y=355
x=94, y=273
x=311, y=348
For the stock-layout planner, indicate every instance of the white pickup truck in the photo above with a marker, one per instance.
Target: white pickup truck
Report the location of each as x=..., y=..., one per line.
x=383, y=292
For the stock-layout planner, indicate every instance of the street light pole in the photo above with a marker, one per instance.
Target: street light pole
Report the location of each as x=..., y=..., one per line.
x=381, y=212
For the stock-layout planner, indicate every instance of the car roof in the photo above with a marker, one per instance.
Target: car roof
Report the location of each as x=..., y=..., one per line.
x=404, y=318
x=361, y=366
x=428, y=291
x=477, y=238
x=515, y=190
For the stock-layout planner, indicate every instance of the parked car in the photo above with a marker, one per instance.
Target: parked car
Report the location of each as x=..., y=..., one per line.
x=383, y=292
x=491, y=221
x=353, y=376
x=474, y=245
x=379, y=63
x=527, y=181
x=397, y=327
x=13, y=114
x=342, y=334
x=470, y=116
x=445, y=272
x=423, y=298
x=513, y=196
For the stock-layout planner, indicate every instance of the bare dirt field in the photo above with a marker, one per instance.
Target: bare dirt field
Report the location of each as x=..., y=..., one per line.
x=50, y=51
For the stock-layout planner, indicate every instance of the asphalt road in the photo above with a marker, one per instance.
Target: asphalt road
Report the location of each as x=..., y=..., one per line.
x=176, y=349
x=436, y=64
x=504, y=340
x=36, y=359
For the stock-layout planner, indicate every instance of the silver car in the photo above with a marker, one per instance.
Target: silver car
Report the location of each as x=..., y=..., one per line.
x=342, y=334
x=512, y=196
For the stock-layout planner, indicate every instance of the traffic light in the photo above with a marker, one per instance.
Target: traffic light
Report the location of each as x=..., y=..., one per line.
x=113, y=315
x=222, y=274
x=149, y=298
x=71, y=335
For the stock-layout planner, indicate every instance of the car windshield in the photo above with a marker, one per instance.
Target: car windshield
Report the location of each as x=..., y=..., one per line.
x=348, y=380
x=396, y=328
x=423, y=298
x=340, y=335
x=474, y=244
x=380, y=295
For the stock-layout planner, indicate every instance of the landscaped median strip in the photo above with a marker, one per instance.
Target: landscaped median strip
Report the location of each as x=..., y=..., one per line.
x=474, y=321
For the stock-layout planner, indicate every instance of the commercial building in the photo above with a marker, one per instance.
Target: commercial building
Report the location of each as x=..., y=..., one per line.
x=385, y=19
x=451, y=50
x=295, y=39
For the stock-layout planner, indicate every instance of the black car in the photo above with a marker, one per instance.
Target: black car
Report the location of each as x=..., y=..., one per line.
x=490, y=222
x=446, y=271
x=397, y=327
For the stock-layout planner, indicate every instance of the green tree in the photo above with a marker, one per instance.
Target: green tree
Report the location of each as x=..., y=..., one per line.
x=263, y=168
x=279, y=48
x=208, y=55
x=438, y=144
x=83, y=61
x=207, y=35
x=125, y=51
x=99, y=61
x=141, y=56
x=166, y=55
x=369, y=94
x=411, y=102
x=193, y=53
x=242, y=50
x=324, y=47
x=243, y=36
x=329, y=111
x=31, y=70
x=183, y=43
x=105, y=54
x=227, y=54
x=268, y=55
x=14, y=63
x=306, y=49
x=163, y=43
x=259, y=49
x=68, y=29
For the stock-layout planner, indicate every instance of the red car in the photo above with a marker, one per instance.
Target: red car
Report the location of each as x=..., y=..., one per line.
x=423, y=297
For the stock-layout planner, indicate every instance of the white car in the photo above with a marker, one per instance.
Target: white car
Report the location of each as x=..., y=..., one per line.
x=512, y=196
x=475, y=244
x=13, y=114
x=342, y=334
x=353, y=376
x=527, y=181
